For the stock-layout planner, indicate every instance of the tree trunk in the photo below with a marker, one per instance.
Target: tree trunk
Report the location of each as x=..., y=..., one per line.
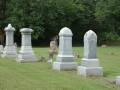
x=2, y=15
x=2, y=35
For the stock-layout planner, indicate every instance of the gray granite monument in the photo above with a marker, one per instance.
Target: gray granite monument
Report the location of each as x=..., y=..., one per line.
x=90, y=63
x=65, y=59
x=26, y=53
x=9, y=50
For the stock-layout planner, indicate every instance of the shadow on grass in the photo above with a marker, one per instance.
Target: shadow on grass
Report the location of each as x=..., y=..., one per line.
x=107, y=73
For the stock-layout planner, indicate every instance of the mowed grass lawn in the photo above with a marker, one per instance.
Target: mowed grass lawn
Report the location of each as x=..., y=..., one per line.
x=40, y=76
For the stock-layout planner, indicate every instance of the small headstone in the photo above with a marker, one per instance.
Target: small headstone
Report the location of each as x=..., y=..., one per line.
x=118, y=80
x=52, y=50
x=90, y=63
x=104, y=46
x=1, y=49
x=65, y=59
x=42, y=58
x=110, y=53
x=76, y=55
x=9, y=50
x=26, y=53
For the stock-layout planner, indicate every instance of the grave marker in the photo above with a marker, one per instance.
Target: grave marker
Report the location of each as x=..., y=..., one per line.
x=65, y=59
x=9, y=50
x=26, y=53
x=90, y=63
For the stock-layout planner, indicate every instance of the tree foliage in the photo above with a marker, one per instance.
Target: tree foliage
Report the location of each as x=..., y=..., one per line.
x=108, y=14
x=47, y=17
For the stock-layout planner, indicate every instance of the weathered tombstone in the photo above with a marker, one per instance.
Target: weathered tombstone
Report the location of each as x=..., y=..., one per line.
x=118, y=80
x=1, y=49
x=42, y=58
x=65, y=59
x=9, y=50
x=90, y=63
x=52, y=50
x=104, y=46
x=26, y=53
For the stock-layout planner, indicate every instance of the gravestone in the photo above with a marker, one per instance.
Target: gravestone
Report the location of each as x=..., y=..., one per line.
x=42, y=58
x=1, y=49
x=26, y=53
x=90, y=63
x=118, y=80
x=52, y=50
x=9, y=50
x=65, y=59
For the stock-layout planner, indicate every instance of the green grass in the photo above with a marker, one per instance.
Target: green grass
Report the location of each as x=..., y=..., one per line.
x=40, y=76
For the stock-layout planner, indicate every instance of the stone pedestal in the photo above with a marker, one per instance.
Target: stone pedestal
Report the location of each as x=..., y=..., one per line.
x=90, y=67
x=65, y=59
x=26, y=53
x=90, y=63
x=9, y=50
x=60, y=66
x=90, y=71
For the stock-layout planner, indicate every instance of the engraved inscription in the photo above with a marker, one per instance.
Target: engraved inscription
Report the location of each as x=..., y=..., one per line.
x=85, y=49
x=92, y=49
x=83, y=63
x=59, y=59
x=67, y=46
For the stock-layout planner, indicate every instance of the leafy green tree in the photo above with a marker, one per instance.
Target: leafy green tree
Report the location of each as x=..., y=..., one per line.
x=3, y=8
x=108, y=14
x=47, y=17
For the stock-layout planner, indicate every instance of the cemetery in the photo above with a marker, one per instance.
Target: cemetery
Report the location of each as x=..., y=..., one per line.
x=59, y=45
x=29, y=68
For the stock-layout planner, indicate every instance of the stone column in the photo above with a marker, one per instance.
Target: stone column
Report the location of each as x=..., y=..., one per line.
x=26, y=53
x=65, y=59
x=90, y=63
x=9, y=50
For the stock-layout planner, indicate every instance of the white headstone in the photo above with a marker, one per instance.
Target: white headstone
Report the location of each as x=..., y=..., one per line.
x=9, y=50
x=26, y=53
x=90, y=63
x=65, y=59
x=118, y=80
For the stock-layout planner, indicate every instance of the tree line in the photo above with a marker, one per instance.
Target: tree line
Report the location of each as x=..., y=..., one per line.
x=47, y=17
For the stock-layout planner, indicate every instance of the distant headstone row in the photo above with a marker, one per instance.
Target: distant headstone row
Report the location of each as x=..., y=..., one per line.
x=26, y=53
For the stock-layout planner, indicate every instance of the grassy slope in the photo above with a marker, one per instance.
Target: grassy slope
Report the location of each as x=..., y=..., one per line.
x=40, y=76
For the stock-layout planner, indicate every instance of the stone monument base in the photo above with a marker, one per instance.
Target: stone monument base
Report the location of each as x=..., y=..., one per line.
x=8, y=56
x=90, y=62
x=89, y=71
x=26, y=58
x=9, y=52
x=64, y=66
